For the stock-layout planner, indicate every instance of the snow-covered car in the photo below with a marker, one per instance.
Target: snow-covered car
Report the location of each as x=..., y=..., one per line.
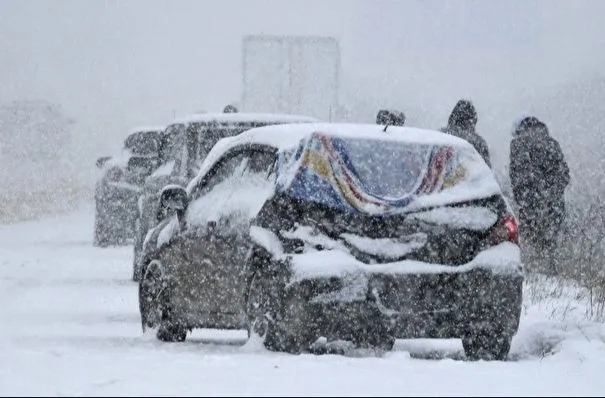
x=118, y=188
x=341, y=231
x=191, y=138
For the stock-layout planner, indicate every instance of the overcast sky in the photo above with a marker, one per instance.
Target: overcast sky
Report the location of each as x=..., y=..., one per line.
x=116, y=64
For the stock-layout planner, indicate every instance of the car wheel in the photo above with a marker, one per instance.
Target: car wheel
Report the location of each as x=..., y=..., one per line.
x=102, y=229
x=486, y=345
x=138, y=243
x=258, y=309
x=171, y=329
x=136, y=273
x=280, y=319
x=155, y=308
x=492, y=325
x=171, y=333
x=151, y=299
x=375, y=334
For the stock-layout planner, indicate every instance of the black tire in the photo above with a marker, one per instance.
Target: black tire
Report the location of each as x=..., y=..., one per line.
x=137, y=248
x=171, y=333
x=102, y=228
x=141, y=229
x=151, y=298
x=374, y=335
x=154, y=306
x=486, y=345
x=136, y=273
x=172, y=329
x=280, y=319
x=493, y=323
x=106, y=232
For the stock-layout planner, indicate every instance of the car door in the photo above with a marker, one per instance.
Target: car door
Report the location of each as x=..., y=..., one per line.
x=218, y=221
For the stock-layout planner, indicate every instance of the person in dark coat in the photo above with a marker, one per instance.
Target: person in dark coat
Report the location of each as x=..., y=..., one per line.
x=462, y=122
x=539, y=175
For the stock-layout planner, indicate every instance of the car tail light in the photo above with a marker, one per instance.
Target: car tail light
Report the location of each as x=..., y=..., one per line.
x=506, y=230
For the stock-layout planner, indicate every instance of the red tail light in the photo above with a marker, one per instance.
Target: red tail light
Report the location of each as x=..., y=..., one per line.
x=506, y=230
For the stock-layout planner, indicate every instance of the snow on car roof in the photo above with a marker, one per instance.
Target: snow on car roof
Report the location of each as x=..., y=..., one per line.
x=145, y=128
x=243, y=117
x=288, y=136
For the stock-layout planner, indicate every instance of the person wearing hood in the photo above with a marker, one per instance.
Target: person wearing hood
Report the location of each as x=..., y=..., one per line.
x=539, y=175
x=462, y=123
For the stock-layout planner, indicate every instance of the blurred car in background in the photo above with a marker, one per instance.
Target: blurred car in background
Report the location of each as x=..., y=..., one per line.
x=187, y=142
x=118, y=188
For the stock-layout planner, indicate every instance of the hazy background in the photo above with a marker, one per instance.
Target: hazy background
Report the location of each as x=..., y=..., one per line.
x=113, y=65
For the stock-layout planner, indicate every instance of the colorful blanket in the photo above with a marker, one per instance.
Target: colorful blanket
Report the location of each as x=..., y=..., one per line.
x=321, y=170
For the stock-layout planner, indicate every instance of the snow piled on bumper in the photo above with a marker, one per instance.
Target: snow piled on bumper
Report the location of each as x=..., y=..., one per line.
x=502, y=259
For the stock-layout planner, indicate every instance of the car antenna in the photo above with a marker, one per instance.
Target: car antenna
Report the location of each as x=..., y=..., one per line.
x=385, y=128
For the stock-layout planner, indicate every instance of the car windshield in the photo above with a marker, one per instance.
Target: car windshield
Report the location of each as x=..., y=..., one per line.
x=172, y=144
x=211, y=133
x=143, y=142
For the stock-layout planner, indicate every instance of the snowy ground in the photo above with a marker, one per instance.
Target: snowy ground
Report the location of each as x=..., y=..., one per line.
x=69, y=325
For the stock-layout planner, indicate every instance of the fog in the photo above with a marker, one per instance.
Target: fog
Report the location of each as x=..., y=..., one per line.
x=113, y=65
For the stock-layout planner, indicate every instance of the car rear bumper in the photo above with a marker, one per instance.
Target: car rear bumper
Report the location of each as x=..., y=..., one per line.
x=116, y=208
x=118, y=197
x=417, y=299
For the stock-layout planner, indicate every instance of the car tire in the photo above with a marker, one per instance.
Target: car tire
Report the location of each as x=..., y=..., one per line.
x=171, y=333
x=492, y=322
x=171, y=329
x=155, y=308
x=136, y=273
x=151, y=298
x=102, y=228
x=486, y=345
x=374, y=335
x=137, y=249
x=140, y=232
x=281, y=319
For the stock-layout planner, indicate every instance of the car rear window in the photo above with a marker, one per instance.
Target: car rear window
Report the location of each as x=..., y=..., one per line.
x=143, y=143
x=383, y=169
x=382, y=176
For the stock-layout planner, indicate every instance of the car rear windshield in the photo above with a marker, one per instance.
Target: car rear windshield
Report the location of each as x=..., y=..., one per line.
x=383, y=176
x=386, y=170
x=143, y=143
x=211, y=133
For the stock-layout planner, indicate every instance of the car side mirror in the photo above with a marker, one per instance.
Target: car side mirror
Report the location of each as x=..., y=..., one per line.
x=102, y=160
x=173, y=199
